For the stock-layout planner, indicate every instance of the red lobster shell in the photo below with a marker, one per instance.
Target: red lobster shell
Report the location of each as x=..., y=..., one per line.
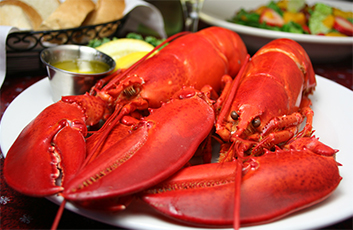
x=53, y=151
x=267, y=169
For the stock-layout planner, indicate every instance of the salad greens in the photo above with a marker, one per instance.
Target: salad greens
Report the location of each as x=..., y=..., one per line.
x=295, y=16
x=316, y=21
x=252, y=18
x=149, y=39
x=275, y=7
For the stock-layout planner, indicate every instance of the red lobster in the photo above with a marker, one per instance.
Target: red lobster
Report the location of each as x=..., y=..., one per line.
x=147, y=136
x=267, y=168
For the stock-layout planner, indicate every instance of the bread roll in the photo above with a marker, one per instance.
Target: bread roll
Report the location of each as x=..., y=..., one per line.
x=106, y=11
x=43, y=7
x=69, y=14
x=19, y=14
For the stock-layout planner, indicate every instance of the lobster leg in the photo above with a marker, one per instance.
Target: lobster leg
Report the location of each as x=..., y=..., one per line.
x=274, y=139
x=307, y=112
x=313, y=144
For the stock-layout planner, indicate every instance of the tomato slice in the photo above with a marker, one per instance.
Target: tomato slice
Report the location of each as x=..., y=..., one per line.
x=343, y=26
x=271, y=18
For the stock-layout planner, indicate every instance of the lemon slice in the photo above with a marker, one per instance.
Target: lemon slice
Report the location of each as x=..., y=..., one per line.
x=130, y=59
x=127, y=49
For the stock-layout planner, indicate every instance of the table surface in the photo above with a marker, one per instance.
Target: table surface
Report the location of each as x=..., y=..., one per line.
x=23, y=212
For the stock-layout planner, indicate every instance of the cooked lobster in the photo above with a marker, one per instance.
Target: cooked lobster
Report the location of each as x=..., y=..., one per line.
x=143, y=124
x=162, y=111
x=267, y=168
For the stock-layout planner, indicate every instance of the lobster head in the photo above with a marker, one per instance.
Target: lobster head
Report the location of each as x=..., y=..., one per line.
x=273, y=84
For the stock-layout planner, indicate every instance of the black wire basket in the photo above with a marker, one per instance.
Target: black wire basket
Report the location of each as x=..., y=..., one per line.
x=23, y=47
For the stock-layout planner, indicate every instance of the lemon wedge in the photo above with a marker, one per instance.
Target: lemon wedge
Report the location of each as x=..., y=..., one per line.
x=125, y=51
x=130, y=59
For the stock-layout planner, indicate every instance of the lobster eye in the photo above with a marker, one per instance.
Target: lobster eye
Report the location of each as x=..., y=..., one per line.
x=256, y=122
x=234, y=115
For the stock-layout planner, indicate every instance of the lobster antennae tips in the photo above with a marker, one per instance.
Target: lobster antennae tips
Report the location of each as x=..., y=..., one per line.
x=121, y=207
x=58, y=215
x=238, y=178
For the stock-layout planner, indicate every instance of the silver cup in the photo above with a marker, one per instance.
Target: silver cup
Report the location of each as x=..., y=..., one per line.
x=64, y=82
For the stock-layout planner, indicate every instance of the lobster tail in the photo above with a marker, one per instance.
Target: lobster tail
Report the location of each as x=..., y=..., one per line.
x=297, y=53
x=221, y=39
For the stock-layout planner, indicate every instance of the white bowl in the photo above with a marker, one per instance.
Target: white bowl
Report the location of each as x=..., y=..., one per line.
x=319, y=48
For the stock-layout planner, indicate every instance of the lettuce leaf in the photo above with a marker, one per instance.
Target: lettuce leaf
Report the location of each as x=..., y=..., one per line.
x=316, y=25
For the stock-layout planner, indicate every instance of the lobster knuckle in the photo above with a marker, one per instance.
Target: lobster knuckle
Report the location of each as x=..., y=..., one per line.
x=93, y=107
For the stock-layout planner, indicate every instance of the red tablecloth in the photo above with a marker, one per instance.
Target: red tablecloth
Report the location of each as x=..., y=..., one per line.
x=22, y=212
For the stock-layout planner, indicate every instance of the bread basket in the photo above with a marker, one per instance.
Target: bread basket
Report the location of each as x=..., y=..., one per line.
x=23, y=47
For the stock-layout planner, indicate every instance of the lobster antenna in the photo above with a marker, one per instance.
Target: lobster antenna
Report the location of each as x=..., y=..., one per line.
x=234, y=87
x=238, y=172
x=237, y=183
x=58, y=215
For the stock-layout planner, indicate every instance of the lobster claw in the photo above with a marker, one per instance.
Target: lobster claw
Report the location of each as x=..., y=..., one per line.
x=35, y=161
x=157, y=147
x=41, y=160
x=273, y=185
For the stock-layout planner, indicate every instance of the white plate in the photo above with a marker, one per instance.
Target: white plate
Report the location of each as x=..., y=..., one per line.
x=319, y=48
x=333, y=123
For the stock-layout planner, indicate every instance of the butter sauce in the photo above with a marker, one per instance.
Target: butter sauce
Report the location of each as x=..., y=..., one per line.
x=82, y=66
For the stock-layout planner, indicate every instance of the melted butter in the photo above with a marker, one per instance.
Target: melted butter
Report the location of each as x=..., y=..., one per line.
x=82, y=66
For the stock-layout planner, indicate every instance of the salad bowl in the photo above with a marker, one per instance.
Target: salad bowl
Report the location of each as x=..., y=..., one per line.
x=319, y=48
